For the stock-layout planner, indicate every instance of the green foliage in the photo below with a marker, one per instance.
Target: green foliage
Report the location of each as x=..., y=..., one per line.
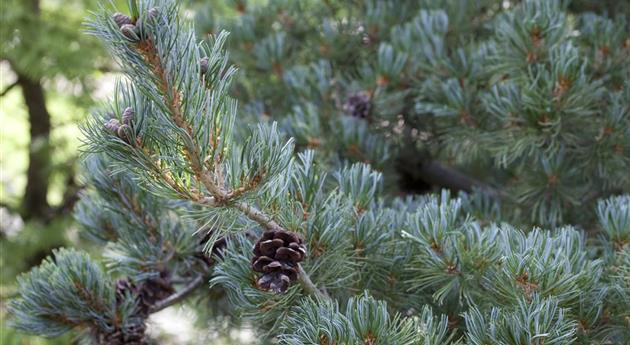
x=524, y=95
x=62, y=293
x=531, y=322
x=614, y=218
x=365, y=320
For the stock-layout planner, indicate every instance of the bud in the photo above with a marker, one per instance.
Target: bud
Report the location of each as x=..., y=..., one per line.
x=130, y=31
x=203, y=65
x=113, y=125
x=127, y=116
x=153, y=14
x=122, y=19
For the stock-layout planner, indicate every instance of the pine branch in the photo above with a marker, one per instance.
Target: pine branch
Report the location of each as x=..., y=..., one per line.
x=172, y=98
x=180, y=295
x=219, y=196
x=309, y=286
x=258, y=216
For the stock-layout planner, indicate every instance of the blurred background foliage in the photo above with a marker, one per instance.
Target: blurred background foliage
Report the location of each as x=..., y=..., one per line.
x=49, y=77
x=51, y=74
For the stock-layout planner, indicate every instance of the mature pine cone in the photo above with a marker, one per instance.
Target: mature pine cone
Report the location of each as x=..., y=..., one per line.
x=358, y=105
x=122, y=287
x=153, y=290
x=216, y=250
x=276, y=255
x=134, y=335
x=147, y=293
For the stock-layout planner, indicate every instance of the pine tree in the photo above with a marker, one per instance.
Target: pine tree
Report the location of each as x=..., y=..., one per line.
x=310, y=249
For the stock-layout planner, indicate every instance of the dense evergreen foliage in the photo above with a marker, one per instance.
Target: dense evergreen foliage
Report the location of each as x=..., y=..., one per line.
x=528, y=99
x=287, y=208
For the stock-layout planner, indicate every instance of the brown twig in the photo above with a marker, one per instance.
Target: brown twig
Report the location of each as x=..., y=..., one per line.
x=436, y=173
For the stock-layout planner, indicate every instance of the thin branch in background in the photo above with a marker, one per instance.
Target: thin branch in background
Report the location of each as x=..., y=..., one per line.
x=9, y=88
x=180, y=295
x=436, y=173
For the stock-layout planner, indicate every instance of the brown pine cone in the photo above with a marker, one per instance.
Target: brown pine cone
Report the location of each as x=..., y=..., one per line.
x=216, y=250
x=276, y=255
x=153, y=290
x=147, y=293
x=358, y=105
x=123, y=286
x=131, y=336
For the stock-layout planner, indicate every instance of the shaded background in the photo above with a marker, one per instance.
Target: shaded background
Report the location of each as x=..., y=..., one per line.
x=48, y=76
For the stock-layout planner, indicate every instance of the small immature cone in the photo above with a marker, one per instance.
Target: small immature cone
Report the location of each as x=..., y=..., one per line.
x=153, y=13
x=124, y=133
x=121, y=19
x=113, y=125
x=130, y=31
x=127, y=116
x=216, y=250
x=154, y=290
x=147, y=293
x=134, y=335
x=277, y=255
x=203, y=65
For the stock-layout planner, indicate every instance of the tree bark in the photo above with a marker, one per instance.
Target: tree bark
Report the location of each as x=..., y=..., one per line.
x=35, y=202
